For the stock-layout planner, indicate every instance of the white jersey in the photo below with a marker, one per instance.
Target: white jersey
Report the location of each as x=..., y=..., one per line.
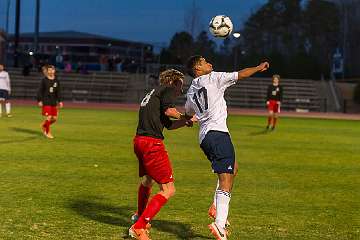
x=205, y=98
x=5, y=81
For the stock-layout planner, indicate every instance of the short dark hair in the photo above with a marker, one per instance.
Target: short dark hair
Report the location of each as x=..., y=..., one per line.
x=191, y=63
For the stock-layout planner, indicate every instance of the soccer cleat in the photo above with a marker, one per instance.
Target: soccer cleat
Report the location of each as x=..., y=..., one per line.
x=9, y=115
x=273, y=128
x=49, y=135
x=267, y=127
x=141, y=234
x=134, y=219
x=212, y=214
x=219, y=233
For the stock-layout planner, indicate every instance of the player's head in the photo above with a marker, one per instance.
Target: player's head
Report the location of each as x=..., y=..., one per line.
x=197, y=66
x=50, y=71
x=276, y=79
x=172, y=77
x=1, y=67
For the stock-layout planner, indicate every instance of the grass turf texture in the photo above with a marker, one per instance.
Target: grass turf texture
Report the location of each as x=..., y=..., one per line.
x=299, y=182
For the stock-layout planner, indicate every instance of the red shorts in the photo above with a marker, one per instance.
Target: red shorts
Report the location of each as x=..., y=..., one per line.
x=153, y=159
x=49, y=111
x=274, y=106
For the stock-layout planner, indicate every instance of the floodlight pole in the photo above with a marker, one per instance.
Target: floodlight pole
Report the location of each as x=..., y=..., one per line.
x=17, y=33
x=37, y=23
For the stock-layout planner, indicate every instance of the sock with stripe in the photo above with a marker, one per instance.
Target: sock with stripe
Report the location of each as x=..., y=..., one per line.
x=222, y=207
x=150, y=211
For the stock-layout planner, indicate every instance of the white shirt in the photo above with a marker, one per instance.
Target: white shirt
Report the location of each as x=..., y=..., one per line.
x=205, y=98
x=4, y=81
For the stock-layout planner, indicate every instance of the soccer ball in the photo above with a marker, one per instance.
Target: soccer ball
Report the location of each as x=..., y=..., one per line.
x=220, y=26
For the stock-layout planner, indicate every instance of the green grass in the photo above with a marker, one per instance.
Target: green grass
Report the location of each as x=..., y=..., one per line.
x=300, y=182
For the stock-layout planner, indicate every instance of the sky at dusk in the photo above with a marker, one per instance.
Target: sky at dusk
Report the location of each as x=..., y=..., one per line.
x=137, y=20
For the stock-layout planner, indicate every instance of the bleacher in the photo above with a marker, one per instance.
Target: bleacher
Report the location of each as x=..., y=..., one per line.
x=299, y=95
x=91, y=87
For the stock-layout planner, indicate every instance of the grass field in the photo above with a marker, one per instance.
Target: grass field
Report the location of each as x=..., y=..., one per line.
x=300, y=182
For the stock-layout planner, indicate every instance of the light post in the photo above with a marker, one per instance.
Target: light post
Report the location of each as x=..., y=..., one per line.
x=236, y=35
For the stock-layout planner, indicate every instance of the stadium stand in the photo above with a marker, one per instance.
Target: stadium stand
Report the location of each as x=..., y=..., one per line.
x=300, y=95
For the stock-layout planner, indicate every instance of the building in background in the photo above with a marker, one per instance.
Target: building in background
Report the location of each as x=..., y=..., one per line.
x=77, y=48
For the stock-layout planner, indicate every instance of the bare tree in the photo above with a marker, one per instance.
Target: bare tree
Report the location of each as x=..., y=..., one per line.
x=192, y=20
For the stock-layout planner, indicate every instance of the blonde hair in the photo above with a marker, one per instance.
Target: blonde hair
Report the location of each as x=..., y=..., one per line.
x=168, y=77
x=276, y=76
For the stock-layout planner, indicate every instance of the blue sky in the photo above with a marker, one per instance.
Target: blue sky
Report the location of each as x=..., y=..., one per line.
x=153, y=21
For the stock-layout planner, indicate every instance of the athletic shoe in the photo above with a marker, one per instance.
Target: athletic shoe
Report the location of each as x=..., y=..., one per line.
x=218, y=232
x=212, y=214
x=273, y=128
x=141, y=234
x=9, y=115
x=134, y=219
x=49, y=135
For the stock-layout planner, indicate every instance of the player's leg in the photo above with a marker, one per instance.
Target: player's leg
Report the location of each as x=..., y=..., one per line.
x=8, y=108
x=270, y=119
x=1, y=103
x=167, y=190
x=144, y=192
x=275, y=118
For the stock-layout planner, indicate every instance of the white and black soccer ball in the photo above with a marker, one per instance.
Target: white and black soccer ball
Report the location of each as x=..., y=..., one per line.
x=220, y=26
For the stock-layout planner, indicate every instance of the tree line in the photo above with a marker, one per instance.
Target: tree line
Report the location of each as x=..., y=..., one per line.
x=298, y=37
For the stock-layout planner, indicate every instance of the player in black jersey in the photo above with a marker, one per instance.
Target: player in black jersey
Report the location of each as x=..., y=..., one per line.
x=273, y=101
x=157, y=110
x=49, y=97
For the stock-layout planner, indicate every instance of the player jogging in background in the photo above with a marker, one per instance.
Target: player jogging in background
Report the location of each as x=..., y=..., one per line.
x=205, y=98
x=49, y=98
x=5, y=91
x=156, y=109
x=273, y=101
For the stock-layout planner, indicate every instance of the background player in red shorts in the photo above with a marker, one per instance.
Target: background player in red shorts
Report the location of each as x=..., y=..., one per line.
x=273, y=101
x=48, y=97
x=156, y=109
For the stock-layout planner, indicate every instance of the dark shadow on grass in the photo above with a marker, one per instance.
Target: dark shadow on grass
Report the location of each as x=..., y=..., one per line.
x=94, y=209
x=27, y=131
x=18, y=141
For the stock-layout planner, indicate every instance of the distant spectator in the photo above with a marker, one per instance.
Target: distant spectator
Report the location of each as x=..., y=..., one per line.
x=103, y=62
x=119, y=66
x=68, y=67
x=111, y=64
x=5, y=91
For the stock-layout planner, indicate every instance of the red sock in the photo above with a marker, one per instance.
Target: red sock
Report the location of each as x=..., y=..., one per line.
x=143, y=198
x=151, y=210
x=269, y=120
x=46, y=125
x=274, y=122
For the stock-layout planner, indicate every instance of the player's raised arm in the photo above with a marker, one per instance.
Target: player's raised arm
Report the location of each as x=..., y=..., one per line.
x=248, y=72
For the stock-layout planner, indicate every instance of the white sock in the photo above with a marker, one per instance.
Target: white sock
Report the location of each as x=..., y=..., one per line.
x=222, y=207
x=0, y=108
x=8, y=107
x=217, y=187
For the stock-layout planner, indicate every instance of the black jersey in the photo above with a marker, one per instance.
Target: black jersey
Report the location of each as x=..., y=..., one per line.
x=152, y=118
x=49, y=92
x=274, y=93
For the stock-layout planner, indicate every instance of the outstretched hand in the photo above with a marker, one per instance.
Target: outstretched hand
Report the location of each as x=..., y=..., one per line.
x=264, y=66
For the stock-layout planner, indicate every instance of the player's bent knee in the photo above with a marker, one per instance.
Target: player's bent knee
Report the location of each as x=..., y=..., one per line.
x=147, y=181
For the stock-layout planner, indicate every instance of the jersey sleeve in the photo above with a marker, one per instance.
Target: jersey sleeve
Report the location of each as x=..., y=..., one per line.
x=225, y=79
x=167, y=98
